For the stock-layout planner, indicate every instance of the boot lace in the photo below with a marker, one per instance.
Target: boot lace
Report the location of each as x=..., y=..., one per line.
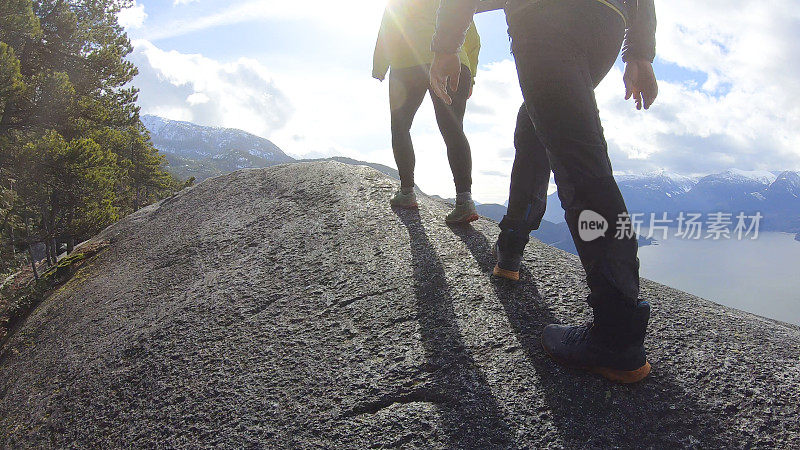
x=577, y=334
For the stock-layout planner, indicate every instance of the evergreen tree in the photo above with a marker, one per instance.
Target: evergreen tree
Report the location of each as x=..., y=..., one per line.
x=74, y=155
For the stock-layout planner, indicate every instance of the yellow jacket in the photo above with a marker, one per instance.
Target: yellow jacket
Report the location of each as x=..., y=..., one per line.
x=405, y=38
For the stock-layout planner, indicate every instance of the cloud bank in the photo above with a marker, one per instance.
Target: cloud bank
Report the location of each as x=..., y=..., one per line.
x=240, y=94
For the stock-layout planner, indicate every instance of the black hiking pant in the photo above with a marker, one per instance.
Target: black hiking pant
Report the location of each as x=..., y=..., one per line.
x=563, y=49
x=407, y=89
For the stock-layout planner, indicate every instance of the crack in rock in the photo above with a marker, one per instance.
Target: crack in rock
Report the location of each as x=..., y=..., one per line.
x=349, y=301
x=417, y=396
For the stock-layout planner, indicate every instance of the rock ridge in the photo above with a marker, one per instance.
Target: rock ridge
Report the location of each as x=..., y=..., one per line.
x=291, y=307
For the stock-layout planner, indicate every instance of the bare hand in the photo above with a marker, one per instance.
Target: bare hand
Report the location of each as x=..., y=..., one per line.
x=445, y=70
x=640, y=83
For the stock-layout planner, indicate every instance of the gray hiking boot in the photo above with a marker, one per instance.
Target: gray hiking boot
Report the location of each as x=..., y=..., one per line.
x=404, y=200
x=613, y=348
x=463, y=213
x=508, y=250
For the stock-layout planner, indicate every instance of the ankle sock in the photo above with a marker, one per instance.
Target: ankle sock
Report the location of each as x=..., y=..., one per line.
x=463, y=197
x=407, y=190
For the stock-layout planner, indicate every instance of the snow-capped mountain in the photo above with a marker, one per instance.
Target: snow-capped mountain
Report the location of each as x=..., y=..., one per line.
x=785, y=188
x=732, y=187
x=656, y=190
x=203, y=152
x=775, y=196
x=671, y=184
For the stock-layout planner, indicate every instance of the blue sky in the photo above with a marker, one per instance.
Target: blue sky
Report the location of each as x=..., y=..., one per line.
x=299, y=74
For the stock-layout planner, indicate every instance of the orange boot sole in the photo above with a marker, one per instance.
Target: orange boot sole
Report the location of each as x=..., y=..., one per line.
x=624, y=376
x=508, y=274
x=469, y=219
x=617, y=376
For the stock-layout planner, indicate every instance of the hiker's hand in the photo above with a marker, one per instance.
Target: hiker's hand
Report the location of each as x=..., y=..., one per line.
x=469, y=96
x=445, y=71
x=640, y=83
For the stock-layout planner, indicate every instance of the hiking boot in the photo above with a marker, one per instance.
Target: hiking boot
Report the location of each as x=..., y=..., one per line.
x=404, y=200
x=508, y=250
x=464, y=212
x=617, y=353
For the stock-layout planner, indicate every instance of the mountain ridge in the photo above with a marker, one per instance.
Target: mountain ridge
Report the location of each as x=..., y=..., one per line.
x=776, y=194
x=776, y=197
x=202, y=152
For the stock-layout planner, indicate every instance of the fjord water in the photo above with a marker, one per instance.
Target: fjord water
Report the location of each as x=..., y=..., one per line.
x=761, y=276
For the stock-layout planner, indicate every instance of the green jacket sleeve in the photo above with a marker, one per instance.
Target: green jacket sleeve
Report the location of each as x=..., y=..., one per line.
x=381, y=59
x=472, y=47
x=452, y=21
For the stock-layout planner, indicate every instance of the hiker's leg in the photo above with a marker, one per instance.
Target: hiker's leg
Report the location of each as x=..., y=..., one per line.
x=530, y=177
x=407, y=88
x=562, y=52
x=527, y=199
x=450, y=119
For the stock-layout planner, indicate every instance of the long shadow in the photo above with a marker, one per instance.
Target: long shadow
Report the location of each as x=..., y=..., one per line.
x=589, y=411
x=470, y=414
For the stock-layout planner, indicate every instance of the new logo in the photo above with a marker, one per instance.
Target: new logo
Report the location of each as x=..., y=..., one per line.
x=591, y=226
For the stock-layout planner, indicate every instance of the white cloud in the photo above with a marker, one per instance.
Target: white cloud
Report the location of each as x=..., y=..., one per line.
x=183, y=2
x=355, y=17
x=198, y=98
x=132, y=17
x=490, y=121
x=743, y=113
x=753, y=55
x=241, y=94
x=338, y=111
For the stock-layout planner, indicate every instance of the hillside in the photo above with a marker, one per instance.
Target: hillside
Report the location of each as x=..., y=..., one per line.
x=290, y=307
x=386, y=170
x=203, y=152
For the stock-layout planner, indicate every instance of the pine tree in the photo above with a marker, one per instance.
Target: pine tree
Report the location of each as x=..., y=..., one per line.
x=74, y=155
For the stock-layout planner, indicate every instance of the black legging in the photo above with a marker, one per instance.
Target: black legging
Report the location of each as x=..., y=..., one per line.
x=407, y=89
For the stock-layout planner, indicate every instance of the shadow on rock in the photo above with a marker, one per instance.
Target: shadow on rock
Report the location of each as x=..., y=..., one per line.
x=589, y=411
x=470, y=414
